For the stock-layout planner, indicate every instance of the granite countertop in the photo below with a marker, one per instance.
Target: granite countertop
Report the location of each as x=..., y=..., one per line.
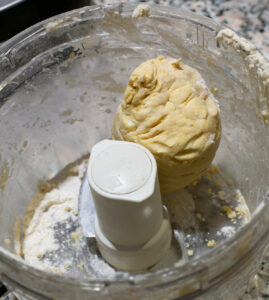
x=250, y=19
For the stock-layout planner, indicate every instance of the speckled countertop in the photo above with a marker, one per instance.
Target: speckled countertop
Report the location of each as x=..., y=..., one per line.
x=249, y=18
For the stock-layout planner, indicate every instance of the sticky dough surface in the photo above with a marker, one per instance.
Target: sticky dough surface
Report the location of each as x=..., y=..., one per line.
x=168, y=109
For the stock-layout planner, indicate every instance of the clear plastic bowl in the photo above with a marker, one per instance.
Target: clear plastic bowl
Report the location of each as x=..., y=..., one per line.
x=60, y=83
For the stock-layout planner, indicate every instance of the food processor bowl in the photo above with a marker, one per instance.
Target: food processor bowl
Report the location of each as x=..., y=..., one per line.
x=60, y=84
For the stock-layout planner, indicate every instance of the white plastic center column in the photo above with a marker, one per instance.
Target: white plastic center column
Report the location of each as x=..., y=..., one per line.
x=132, y=231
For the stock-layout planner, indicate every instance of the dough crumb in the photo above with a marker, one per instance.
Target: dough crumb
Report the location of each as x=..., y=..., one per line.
x=239, y=211
x=213, y=170
x=242, y=207
x=72, y=55
x=68, y=209
x=229, y=212
x=190, y=252
x=211, y=243
x=74, y=236
x=142, y=10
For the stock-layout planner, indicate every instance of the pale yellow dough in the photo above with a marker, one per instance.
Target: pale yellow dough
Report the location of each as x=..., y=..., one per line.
x=168, y=109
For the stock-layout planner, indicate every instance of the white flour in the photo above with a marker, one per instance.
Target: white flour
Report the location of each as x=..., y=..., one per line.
x=56, y=206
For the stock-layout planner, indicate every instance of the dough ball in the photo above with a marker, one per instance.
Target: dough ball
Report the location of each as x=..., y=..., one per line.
x=168, y=109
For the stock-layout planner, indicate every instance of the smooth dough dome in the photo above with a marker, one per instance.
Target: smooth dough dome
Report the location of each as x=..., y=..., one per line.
x=168, y=109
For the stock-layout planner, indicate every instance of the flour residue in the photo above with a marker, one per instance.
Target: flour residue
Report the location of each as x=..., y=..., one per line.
x=53, y=240
x=255, y=60
x=53, y=204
